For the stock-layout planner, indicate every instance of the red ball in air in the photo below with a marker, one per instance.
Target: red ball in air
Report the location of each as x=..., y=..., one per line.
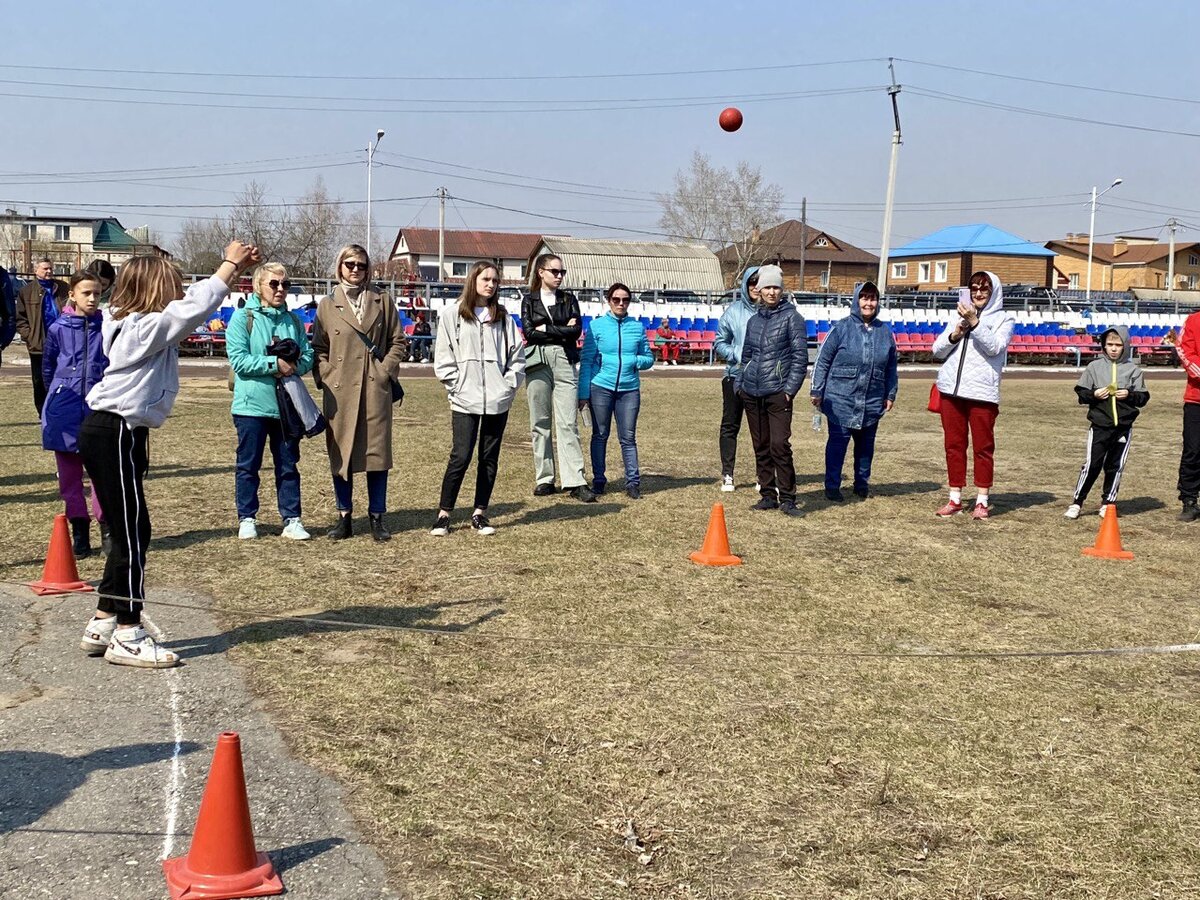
x=730, y=118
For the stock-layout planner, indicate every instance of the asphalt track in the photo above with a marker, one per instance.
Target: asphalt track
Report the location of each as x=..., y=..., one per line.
x=102, y=767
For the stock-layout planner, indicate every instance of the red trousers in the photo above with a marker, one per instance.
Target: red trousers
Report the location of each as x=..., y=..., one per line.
x=669, y=351
x=979, y=417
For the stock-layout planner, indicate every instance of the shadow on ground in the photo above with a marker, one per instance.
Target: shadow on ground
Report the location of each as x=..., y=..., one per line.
x=32, y=782
x=348, y=618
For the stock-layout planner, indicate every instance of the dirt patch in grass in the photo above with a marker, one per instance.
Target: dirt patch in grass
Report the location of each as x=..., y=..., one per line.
x=504, y=759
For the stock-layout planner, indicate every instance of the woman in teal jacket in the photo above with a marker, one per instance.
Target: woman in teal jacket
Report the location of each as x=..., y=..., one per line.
x=615, y=349
x=263, y=320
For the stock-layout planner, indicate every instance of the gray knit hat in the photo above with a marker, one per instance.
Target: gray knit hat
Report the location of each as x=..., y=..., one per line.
x=770, y=276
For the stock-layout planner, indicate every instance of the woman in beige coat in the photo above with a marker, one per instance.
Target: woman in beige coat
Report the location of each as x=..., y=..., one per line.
x=358, y=344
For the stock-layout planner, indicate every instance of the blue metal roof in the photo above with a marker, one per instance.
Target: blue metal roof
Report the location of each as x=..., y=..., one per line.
x=970, y=239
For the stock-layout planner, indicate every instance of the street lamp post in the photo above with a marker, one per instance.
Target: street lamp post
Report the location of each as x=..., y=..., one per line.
x=371, y=148
x=1092, y=232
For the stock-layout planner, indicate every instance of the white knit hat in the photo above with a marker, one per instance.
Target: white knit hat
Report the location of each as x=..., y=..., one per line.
x=770, y=276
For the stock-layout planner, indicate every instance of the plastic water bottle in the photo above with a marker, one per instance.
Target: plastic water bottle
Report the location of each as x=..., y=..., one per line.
x=817, y=420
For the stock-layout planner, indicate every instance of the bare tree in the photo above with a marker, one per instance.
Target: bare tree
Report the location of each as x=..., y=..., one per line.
x=201, y=244
x=723, y=209
x=317, y=231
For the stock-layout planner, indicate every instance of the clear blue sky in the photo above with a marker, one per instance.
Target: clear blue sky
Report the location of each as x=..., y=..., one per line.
x=832, y=149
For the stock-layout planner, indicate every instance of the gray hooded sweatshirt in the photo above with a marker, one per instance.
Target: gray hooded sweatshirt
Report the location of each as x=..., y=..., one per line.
x=1124, y=373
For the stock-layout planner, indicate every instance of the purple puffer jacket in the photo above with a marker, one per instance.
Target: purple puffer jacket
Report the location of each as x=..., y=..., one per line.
x=73, y=361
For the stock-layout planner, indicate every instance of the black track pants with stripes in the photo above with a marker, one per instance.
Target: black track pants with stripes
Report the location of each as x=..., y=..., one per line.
x=1107, y=449
x=116, y=458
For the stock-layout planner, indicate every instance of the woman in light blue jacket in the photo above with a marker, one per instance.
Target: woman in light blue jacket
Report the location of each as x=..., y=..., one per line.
x=854, y=383
x=254, y=333
x=615, y=349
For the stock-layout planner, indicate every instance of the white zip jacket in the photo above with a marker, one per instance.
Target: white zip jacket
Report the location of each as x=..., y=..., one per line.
x=480, y=364
x=973, y=366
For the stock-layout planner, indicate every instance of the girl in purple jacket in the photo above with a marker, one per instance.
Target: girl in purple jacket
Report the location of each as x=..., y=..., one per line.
x=73, y=361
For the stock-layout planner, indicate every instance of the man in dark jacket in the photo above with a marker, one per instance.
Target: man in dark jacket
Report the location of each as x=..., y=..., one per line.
x=38, y=306
x=774, y=363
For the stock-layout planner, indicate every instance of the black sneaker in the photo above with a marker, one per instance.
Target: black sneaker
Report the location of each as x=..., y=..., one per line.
x=634, y=491
x=834, y=495
x=862, y=493
x=583, y=494
x=441, y=526
x=545, y=489
x=789, y=508
x=1190, y=512
x=598, y=487
x=480, y=523
x=765, y=503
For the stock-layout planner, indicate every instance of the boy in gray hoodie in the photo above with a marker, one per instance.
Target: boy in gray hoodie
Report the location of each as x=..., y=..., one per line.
x=1114, y=391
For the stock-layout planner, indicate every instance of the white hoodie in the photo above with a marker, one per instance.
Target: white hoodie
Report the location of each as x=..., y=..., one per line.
x=973, y=366
x=142, y=377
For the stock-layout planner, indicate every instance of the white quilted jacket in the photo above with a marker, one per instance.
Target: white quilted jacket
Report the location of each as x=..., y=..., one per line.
x=972, y=367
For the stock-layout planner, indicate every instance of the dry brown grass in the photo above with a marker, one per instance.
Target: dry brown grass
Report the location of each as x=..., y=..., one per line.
x=495, y=768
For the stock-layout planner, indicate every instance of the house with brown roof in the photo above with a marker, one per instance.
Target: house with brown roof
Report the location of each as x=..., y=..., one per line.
x=415, y=253
x=830, y=263
x=1124, y=263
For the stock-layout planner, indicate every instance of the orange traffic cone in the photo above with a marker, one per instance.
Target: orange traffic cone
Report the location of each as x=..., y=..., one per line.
x=223, y=862
x=715, y=551
x=59, y=575
x=1108, y=541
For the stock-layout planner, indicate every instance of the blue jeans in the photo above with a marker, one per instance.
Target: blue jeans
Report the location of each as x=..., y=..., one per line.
x=625, y=404
x=343, y=492
x=835, y=454
x=254, y=433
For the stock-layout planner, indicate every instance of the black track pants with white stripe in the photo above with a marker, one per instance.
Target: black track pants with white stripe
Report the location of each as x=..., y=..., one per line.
x=116, y=458
x=1107, y=449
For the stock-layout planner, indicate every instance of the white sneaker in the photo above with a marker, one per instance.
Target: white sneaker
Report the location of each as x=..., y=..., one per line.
x=1072, y=511
x=293, y=529
x=727, y=484
x=247, y=529
x=1103, y=509
x=98, y=635
x=441, y=526
x=133, y=646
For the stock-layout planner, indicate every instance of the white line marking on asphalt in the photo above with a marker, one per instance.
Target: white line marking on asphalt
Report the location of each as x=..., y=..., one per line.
x=175, y=779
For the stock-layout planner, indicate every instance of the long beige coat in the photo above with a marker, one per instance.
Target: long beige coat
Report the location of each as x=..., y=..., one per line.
x=356, y=387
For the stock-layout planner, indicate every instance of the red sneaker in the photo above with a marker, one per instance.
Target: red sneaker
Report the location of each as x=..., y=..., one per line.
x=980, y=512
x=950, y=509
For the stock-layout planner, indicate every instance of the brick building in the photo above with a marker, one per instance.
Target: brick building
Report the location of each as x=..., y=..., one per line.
x=1124, y=263
x=831, y=265
x=945, y=259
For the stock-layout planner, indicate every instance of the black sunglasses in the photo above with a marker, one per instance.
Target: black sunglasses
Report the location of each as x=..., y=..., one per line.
x=352, y=265
x=558, y=272
x=619, y=299
x=274, y=284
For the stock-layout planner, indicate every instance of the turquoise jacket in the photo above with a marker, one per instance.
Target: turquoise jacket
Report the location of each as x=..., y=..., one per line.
x=249, y=332
x=731, y=330
x=614, y=351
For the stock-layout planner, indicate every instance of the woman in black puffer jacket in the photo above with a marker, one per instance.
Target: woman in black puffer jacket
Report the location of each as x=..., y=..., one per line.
x=774, y=363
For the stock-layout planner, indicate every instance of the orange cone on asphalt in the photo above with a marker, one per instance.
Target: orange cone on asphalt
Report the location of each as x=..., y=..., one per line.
x=59, y=574
x=715, y=551
x=222, y=862
x=1108, y=541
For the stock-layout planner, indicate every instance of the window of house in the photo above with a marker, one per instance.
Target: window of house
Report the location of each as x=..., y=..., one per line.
x=824, y=278
x=62, y=232
x=524, y=267
x=821, y=242
x=1193, y=259
x=1074, y=281
x=29, y=232
x=458, y=269
x=899, y=270
x=1193, y=281
x=941, y=271
x=923, y=272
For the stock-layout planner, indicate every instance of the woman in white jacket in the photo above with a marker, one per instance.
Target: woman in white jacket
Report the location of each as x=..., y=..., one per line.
x=974, y=349
x=480, y=359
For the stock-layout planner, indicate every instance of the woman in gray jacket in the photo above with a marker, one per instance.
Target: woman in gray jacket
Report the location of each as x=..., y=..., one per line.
x=774, y=363
x=480, y=359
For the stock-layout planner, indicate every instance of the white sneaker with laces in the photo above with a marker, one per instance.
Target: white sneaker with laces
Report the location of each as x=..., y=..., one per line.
x=247, y=529
x=293, y=529
x=133, y=646
x=1103, y=509
x=1072, y=511
x=727, y=484
x=97, y=635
